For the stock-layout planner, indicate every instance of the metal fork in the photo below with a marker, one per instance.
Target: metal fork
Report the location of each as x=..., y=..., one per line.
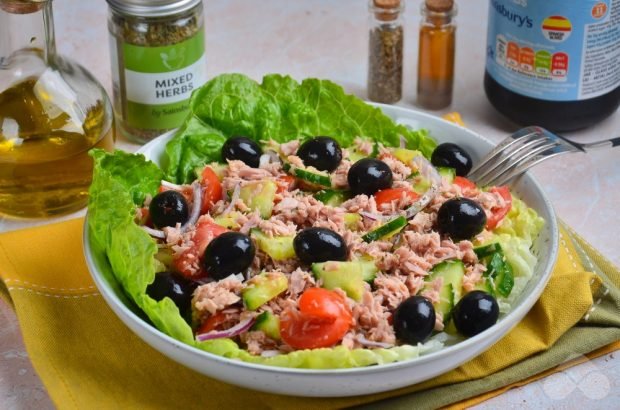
x=522, y=150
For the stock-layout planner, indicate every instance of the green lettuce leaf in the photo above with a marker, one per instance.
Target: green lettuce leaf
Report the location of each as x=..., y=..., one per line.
x=281, y=109
x=516, y=235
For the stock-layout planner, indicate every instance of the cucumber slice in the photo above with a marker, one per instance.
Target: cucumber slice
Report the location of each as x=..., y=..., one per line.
x=228, y=221
x=277, y=247
x=487, y=250
x=447, y=173
x=386, y=230
x=332, y=197
x=316, y=178
x=344, y=275
x=351, y=220
x=262, y=288
x=405, y=155
x=499, y=272
x=269, y=324
x=218, y=168
x=452, y=272
x=259, y=195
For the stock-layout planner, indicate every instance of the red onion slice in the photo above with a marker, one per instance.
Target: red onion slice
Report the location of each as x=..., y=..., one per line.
x=155, y=233
x=371, y=343
x=170, y=185
x=236, y=330
x=196, y=205
x=264, y=160
x=373, y=216
x=233, y=200
x=428, y=171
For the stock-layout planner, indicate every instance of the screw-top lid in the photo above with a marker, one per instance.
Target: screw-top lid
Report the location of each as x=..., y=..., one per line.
x=386, y=10
x=22, y=6
x=152, y=8
x=439, y=6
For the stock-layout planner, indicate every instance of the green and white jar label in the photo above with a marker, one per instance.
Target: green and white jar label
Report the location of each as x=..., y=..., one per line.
x=159, y=82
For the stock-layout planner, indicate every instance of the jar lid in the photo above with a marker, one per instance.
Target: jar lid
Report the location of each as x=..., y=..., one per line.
x=22, y=6
x=386, y=10
x=152, y=8
x=440, y=6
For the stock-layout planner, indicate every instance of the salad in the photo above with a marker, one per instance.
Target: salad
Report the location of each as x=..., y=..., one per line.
x=294, y=225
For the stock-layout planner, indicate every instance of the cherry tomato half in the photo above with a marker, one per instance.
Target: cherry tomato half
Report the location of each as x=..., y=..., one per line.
x=187, y=261
x=322, y=321
x=386, y=196
x=212, y=189
x=498, y=213
x=464, y=183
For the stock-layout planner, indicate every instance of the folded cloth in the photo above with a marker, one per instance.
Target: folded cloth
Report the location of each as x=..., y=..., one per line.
x=87, y=358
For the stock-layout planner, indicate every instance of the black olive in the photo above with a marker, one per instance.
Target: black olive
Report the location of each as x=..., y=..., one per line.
x=168, y=208
x=322, y=153
x=452, y=156
x=476, y=312
x=319, y=245
x=369, y=175
x=414, y=320
x=461, y=218
x=175, y=287
x=242, y=149
x=229, y=253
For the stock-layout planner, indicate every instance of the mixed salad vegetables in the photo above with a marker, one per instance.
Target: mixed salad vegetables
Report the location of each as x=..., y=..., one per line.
x=297, y=226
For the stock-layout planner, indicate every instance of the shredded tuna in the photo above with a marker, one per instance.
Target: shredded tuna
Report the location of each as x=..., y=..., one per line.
x=289, y=148
x=473, y=276
x=363, y=146
x=400, y=171
x=391, y=289
x=299, y=281
x=340, y=174
x=215, y=296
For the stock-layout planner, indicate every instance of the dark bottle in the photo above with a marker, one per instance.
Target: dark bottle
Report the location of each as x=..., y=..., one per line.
x=553, y=63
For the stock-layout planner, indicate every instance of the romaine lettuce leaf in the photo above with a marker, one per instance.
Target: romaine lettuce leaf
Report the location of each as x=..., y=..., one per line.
x=281, y=109
x=516, y=234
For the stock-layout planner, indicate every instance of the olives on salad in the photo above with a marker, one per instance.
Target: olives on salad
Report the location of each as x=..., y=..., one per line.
x=228, y=254
x=461, y=218
x=242, y=149
x=369, y=175
x=168, y=208
x=414, y=320
x=322, y=153
x=319, y=245
x=176, y=287
x=475, y=312
x=452, y=156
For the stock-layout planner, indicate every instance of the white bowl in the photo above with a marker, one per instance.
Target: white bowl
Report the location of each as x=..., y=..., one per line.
x=357, y=381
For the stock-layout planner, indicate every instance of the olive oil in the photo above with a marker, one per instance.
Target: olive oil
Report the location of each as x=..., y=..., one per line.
x=45, y=168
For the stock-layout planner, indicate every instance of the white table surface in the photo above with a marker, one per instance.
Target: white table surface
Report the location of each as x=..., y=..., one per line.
x=329, y=39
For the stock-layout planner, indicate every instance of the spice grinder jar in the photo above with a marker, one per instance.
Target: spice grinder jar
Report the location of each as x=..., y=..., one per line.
x=157, y=52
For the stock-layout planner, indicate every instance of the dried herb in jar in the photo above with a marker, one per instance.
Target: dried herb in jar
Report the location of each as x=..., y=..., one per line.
x=385, y=51
x=157, y=61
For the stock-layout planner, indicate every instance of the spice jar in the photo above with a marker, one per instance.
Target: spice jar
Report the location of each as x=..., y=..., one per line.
x=436, y=54
x=385, y=51
x=157, y=53
x=52, y=112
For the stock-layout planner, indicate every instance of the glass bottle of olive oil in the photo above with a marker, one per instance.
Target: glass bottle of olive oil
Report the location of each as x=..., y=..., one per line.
x=52, y=112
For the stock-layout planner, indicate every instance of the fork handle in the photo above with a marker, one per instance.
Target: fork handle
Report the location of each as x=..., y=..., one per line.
x=614, y=142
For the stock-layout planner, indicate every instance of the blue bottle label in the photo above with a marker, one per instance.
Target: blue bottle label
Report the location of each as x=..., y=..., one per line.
x=558, y=50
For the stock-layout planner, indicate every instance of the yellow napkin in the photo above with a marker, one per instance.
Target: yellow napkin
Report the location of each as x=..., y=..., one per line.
x=88, y=359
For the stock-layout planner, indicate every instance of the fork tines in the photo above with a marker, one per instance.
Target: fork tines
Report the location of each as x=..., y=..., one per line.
x=520, y=150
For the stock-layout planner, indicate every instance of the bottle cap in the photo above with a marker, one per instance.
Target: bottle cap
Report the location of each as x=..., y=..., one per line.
x=439, y=6
x=386, y=10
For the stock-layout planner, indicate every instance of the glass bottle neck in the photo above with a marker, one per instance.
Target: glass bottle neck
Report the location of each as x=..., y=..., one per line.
x=27, y=27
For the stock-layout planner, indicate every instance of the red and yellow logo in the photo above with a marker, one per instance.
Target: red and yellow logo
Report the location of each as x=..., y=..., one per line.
x=599, y=10
x=556, y=28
